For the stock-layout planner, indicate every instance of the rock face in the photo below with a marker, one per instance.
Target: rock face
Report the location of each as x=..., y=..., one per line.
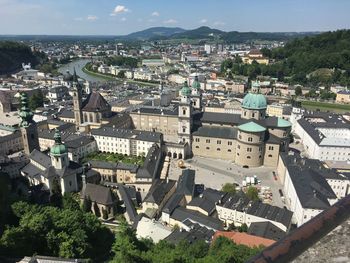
x=335, y=247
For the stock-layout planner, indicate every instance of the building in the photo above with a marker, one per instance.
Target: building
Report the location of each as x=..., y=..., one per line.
x=152, y=229
x=57, y=93
x=129, y=142
x=11, y=143
x=54, y=171
x=309, y=187
x=343, y=96
x=103, y=201
x=255, y=55
x=238, y=209
x=153, y=62
x=326, y=136
x=279, y=110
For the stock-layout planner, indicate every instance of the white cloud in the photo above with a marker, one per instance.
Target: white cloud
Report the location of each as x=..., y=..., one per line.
x=78, y=19
x=203, y=21
x=92, y=18
x=155, y=13
x=120, y=9
x=170, y=21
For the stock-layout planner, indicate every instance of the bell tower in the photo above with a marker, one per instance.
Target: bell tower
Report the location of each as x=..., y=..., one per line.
x=196, y=94
x=28, y=127
x=59, y=153
x=77, y=101
x=185, y=115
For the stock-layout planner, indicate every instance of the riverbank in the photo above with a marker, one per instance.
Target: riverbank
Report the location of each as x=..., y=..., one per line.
x=325, y=106
x=108, y=77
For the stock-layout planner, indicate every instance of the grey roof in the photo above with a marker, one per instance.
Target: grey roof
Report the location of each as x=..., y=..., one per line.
x=9, y=137
x=221, y=118
x=315, y=135
x=196, y=233
x=66, y=113
x=267, y=230
x=240, y=202
x=167, y=111
x=151, y=166
x=129, y=205
x=181, y=214
x=173, y=202
x=79, y=142
x=129, y=134
x=95, y=102
x=207, y=200
x=158, y=191
x=99, y=194
x=40, y=158
x=216, y=132
x=186, y=182
x=113, y=166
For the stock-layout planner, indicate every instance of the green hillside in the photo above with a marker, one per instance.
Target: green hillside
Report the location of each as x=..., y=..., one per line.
x=301, y=60
x=13, y=54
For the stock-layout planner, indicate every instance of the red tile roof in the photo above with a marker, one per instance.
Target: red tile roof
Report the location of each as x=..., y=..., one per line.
x=245, y=239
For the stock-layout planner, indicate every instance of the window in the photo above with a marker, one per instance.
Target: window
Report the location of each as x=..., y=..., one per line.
x=237, y=154
x=270, y=155
x=229, y=150
x=208, y=148
x=197, y=146
x=207, y=141
x=229, y=143
x=249, y=150
x=218, y=149
x=250, y=139
x=218, y=141
x=271, y=148
x=238, y=146
x=197, y=139
x=183, y=111
x=253, y=115
x=183, y=129
x=248, y=157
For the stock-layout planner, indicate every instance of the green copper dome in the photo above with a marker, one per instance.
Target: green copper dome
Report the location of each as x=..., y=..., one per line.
x=185, y=91
x=196, y=85
x=254, y=101
x=251, y=127
x=25, y=113
x=281, y=123
x=59, y=148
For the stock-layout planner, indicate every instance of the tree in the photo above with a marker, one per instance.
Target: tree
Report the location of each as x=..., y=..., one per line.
x=36, y=100
x=229, y=188
x=243, y=228
x=56, y=232
x=97, y=210
x=298, y=91
x=253, y=193
x=69, y=202
x=87, y=204
x=121, y=74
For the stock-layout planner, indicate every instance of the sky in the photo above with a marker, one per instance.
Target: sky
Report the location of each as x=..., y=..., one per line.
x=110, y=17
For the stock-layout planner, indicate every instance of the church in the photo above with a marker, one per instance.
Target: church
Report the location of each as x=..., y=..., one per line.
x=249, y=139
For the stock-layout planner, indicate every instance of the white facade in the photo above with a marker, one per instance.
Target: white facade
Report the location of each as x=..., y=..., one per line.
x=230, y=216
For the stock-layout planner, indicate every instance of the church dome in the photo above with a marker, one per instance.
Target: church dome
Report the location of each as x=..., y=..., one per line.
x=254, y=101
x=58, y=148
x=185, y=91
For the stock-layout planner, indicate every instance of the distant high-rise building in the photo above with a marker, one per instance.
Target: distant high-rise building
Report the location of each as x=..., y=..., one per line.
x=207, y=48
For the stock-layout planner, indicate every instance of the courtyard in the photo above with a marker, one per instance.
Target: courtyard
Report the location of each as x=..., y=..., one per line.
x=214, y=173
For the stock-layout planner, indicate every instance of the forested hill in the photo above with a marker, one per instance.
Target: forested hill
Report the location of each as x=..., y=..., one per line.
x=327, y=50
x=13, y=54
x=314, y=60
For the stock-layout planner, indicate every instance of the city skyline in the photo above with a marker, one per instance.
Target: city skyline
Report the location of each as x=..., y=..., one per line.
x=107, y=17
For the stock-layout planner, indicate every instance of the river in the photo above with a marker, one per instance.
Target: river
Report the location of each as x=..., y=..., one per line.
x=79, y=65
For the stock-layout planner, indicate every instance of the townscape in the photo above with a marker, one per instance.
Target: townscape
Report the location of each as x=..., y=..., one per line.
x=170, y=141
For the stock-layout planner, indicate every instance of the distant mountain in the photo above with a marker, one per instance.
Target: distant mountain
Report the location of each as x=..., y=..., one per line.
x=199, y=33
x=154, y=32
x=205, y=33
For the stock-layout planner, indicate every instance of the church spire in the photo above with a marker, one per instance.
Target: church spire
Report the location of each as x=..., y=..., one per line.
x=25, y=113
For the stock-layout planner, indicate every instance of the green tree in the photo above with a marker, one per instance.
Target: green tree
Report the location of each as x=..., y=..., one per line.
x=253, y=193
x=298, y=91
x=243, y=228
x=36, y=100
x=87, y=204
x=121, y=74
x=229, y=188
x=97, y=210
